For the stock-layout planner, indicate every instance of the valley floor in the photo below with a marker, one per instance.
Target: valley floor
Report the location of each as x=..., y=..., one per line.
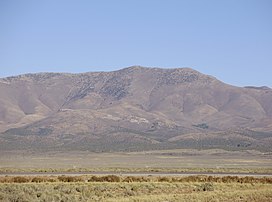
x=46, y=182
x=150, y=161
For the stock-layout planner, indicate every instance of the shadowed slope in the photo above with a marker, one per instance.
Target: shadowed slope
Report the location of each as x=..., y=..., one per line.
x=134, y=108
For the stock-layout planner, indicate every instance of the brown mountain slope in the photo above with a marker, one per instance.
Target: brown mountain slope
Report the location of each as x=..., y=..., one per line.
x=134, y=108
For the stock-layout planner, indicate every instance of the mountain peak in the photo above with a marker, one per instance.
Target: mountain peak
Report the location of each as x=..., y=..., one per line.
x=135, y=107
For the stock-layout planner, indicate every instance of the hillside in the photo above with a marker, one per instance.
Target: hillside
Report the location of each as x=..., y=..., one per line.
x=132, y=109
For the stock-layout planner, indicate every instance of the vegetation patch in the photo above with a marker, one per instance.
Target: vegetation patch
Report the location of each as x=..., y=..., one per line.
x=135, y=191
x=202, y=125
x=115, y=179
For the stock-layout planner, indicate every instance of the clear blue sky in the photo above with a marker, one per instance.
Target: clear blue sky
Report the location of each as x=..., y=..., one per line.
x=229, y=39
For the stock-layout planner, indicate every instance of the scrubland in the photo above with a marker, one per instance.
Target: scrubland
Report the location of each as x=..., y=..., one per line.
x=49, y=184
x=130, y=188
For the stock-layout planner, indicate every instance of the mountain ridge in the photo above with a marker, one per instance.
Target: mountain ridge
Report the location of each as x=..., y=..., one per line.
x=135, y=108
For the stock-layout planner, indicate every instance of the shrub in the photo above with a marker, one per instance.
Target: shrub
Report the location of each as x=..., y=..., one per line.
x=205, y=187
x=131, y=179
x=94, y=179
x=20, y=179
x=38, y=179
x=64, y=178
x=110, y=178
x=164, y=179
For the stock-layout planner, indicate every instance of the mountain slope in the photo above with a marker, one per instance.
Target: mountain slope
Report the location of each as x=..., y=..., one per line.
x=135, y=108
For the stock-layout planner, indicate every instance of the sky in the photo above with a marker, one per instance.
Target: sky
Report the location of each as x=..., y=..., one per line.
x=228, y=39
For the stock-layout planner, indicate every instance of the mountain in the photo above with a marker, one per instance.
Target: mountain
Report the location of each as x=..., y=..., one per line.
x=132, y=109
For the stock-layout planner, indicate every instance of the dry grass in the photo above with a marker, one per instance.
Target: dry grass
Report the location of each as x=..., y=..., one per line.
x=131, y=188
x=135, y=191
x=115, y=178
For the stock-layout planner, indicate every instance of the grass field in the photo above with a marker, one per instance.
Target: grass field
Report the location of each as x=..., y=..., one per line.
x=116, y=188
